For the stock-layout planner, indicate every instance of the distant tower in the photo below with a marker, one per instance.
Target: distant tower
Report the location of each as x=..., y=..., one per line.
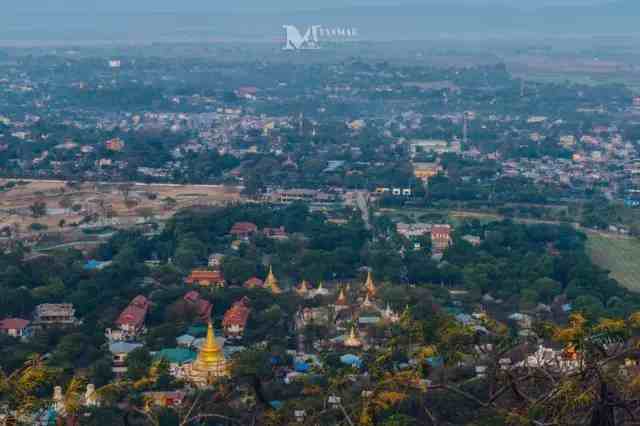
x=301, y=124
x=465, y=128
x=522, y=88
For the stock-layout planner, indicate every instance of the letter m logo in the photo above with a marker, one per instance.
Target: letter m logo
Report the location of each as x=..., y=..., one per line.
x=296, y=41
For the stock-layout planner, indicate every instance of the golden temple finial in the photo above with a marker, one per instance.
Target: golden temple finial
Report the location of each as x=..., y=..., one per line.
x=369, y=286
x=272, y=282
x=342, y=297
x=366, y=303
x=303, y=288
x=352, y=341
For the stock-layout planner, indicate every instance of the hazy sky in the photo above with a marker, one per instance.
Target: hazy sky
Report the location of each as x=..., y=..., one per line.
x=124, y=6
x=169, y=20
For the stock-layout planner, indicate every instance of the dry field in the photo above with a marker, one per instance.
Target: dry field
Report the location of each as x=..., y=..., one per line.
x=122, y=204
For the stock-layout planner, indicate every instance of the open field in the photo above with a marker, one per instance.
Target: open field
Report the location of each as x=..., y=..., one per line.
x=619, y=255
x=114, y=203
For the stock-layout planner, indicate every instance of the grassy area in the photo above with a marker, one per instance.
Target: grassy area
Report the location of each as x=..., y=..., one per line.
x=619, y=255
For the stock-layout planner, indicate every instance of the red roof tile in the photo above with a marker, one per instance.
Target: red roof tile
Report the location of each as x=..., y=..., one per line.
x=13, y=324
x=135, y=313
x=238, y=314
x=202, y=306
x=253, y=282
x=243, y=228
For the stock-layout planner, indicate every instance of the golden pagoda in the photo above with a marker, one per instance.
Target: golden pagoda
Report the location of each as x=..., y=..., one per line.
x=271, y=282
x=320, y=291
x=352, y=341
x=367, y=303
x=342, y=302
x=342, y=298
x=369, y=286
x=303, y=288
x=210, y=364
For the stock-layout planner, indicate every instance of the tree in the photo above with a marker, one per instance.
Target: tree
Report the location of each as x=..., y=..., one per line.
x=145, y=212
x=38, y=209
x=237, y=270
x=138, y=362
x=125, y=190
x=101, y=372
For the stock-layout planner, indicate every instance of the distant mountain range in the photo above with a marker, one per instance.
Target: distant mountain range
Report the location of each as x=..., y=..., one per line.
x=252, y=20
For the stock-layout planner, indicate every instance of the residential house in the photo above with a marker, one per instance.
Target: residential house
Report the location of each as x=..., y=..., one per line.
x=243, y=230
x=14, y=327
x=115, y=144
x=119, y=352
x=275, y=233
x=130, y=322
x=440, y=238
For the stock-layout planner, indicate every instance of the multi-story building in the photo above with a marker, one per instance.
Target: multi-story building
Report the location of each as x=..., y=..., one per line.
x=440, y=238
x=131, y=320
x=54, y=314
x=243, y=230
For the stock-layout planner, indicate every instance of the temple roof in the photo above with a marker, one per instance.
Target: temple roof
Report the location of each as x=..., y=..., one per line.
x=238, y=314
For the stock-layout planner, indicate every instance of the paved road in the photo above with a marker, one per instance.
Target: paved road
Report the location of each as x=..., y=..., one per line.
x=363, y=205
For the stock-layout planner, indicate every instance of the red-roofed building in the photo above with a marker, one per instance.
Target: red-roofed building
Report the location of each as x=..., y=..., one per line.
x=235, y=319
x=247, y=92
x=14, y=327
x=254, y=282
x=131, y=319
x=243, y=230
x=115, y=144
x=205, y=278
x=275, y=233
x=201, y=306
x=440, y=238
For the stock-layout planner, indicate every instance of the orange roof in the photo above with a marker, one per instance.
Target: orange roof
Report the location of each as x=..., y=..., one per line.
x=203, y=275
x=253, y=282
x=135, y=313
x=238, y=314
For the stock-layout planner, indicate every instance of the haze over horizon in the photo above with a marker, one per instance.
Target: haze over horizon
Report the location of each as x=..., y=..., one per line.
x=250, y=20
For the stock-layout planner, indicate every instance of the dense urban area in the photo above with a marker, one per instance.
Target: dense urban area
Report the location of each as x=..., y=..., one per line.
x=236, y=235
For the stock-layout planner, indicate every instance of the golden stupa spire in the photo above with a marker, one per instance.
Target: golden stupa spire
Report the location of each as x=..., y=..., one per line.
x=210, y=363
x=303, y=288
x=369, y=286
x=210, y=353
x=272, y=282
x=342, y=298
x=352, y=341
x=366, y=302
